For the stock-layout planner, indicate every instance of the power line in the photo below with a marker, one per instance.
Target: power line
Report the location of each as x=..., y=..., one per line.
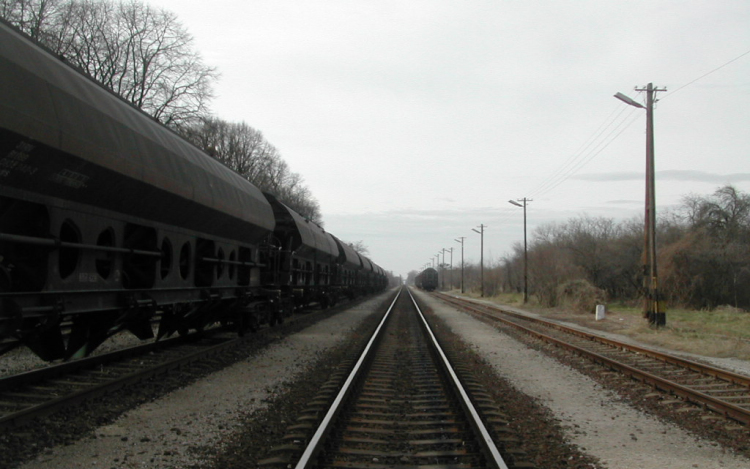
x=597, y=143
x=706, y=74
x=613, y=126
x=601, y=146
x=583, y=156
x=571, y=159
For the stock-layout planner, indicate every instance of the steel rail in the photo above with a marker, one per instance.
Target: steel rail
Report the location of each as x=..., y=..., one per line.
x=66, y=368
x=47, y=407
x=727, y=409
x=490, y=449
x=313, y=446
x=727, y=375
x=311, y=451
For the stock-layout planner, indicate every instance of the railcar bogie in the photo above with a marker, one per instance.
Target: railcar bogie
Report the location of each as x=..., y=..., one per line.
x=68, y=264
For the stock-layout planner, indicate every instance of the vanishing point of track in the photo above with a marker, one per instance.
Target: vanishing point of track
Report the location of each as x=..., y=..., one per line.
x=402, y=405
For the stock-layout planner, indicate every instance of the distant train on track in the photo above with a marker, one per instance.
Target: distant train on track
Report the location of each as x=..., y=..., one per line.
x=110, y=221
x=427, y=279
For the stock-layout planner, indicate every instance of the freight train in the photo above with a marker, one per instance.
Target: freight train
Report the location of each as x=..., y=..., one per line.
x=427, y=279
x=110, y=221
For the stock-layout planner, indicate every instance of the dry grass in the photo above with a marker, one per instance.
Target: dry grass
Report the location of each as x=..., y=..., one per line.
x=722, y=333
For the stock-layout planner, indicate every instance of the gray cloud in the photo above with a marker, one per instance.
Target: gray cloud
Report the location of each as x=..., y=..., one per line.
x=666, y=175
x=624, y=202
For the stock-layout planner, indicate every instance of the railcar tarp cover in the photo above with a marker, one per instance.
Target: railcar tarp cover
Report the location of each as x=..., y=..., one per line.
x=313, y=236
x=350, y=259
x=84, y=144
x=366, y=263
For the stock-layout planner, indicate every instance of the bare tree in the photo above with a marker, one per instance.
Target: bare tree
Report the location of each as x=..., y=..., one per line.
x=359, y=247
x=245, y=150
x=709, y=265
x=143, y=54
x=146, y=56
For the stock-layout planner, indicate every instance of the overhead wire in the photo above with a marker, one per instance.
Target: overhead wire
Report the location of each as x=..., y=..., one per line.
x=586, y=158
x=582, y=157
x=595, y=145
x=569, y=161
x=706, y=74
x=576, y=160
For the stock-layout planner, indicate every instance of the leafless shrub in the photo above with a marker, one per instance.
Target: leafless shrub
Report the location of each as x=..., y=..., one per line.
x=581, y=296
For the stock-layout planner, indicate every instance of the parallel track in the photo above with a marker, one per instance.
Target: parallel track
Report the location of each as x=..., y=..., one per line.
x=44, y=391
x=41, y=392
x=719, y=390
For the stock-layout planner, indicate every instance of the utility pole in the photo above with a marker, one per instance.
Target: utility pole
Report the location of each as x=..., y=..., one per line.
x=461, y=240
x=654, y=309
x=525, y=249
x=438, y=271
x=443, y=251
x=481, y=256
x=451, y=271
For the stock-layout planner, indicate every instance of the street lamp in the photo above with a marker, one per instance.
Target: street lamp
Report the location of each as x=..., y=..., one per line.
x=525, y=250
x=461, y=240
x=629, y=100
x=437, y=256
x=443, y=250
x=481, y=257
x=654, y=305
x=451, y=271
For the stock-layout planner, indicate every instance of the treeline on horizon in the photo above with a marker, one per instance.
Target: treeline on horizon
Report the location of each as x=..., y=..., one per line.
x=146, y=56
x=703, y=258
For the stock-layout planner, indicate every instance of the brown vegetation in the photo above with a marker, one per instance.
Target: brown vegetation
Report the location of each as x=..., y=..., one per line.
x=703, y=259
x=581, y=296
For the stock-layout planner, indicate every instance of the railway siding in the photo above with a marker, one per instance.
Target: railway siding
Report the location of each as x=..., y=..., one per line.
x=727, y=393
x=620, y=421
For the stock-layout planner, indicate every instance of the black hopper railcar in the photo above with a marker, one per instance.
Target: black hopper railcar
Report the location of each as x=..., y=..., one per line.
x=427, y=279
x=110, y=221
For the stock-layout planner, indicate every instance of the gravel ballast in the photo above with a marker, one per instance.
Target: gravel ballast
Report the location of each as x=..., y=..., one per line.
x=206, y=424
x=174, y=431
x=597, y=420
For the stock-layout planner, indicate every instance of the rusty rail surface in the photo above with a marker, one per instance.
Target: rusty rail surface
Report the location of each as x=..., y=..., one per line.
x=726, y=393
x=42, y=392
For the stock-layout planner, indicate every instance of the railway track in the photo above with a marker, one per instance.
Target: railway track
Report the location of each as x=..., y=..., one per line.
x=721, y=391
x=41, y=392
x=401, y=405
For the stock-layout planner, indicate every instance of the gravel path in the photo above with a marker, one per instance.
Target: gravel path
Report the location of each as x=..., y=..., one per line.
x=170, y=432
x=597, y=420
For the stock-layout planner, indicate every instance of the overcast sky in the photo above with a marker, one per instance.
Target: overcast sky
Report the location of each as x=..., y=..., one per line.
x=413, y=122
